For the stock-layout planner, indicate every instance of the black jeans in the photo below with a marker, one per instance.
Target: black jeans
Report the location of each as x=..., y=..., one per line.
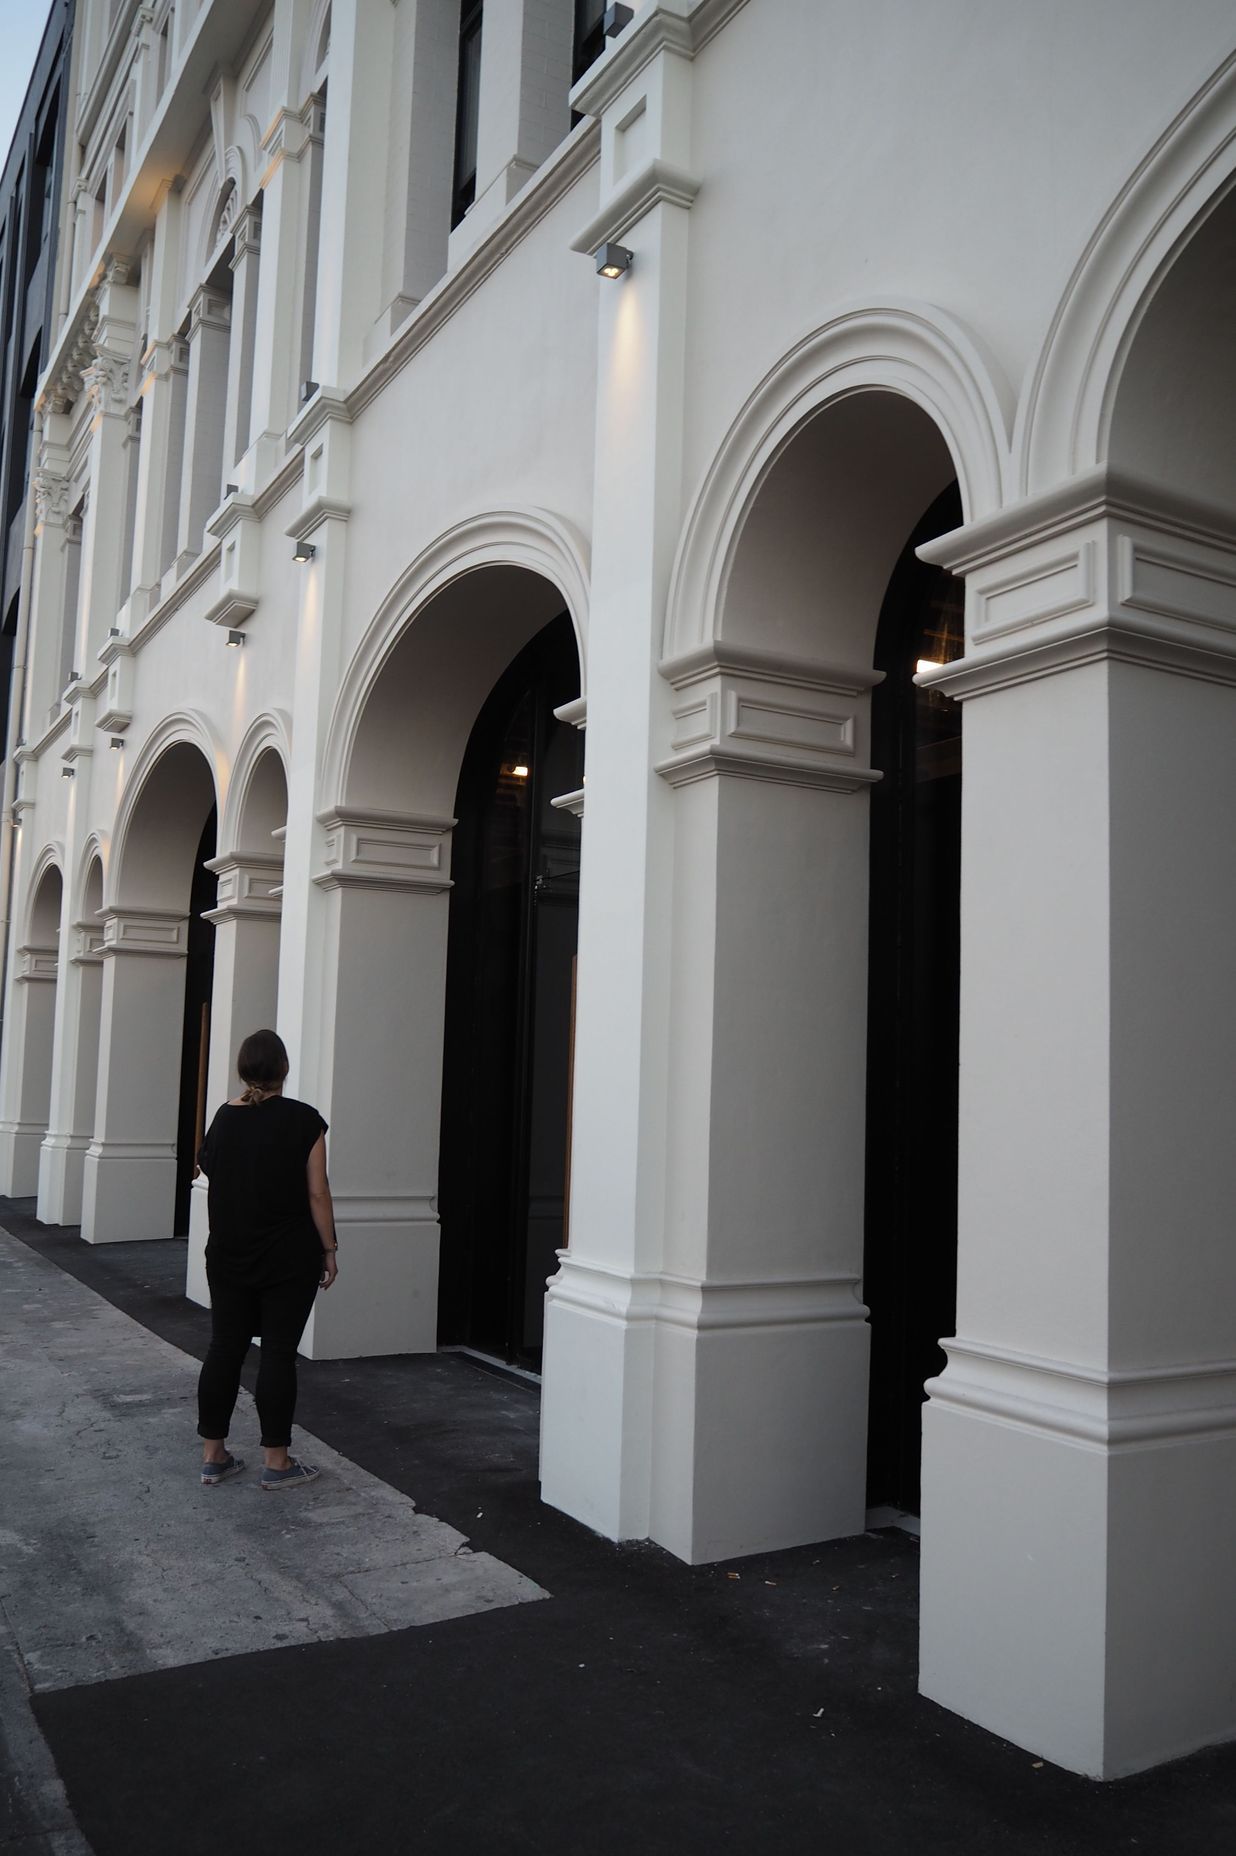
x=277, y=1312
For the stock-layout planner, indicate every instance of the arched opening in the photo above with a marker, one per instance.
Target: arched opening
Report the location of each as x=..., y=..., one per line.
x=914, y=972
x=195, y=1032
x=31, y=1030
x=75, y=1071
x=1170, y=420
x=157, y=983
x=846, y=1004
x=244, y=919
x=513, y=926
x=484, y=646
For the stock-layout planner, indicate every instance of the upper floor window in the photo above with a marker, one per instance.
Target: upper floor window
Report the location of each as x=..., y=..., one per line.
x=467, y=108
x=589, y=36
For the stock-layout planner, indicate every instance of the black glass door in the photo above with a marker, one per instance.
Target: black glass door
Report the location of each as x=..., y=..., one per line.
x=513, y=927
x=195, y=1041
x=910, y=1257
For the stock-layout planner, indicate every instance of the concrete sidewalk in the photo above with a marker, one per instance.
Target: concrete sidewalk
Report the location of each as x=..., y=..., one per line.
x=766, y=1706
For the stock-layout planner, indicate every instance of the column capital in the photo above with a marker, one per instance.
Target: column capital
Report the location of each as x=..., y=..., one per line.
x=246, y=234
x=51, y=498
x=756, y=715
x=163, y=358
x=250, y=887
x=106, y=382
x=209, y=308
x=87, y=944
x=384, y=850
x=36, y=964
x=144, y=931
x=1103, y=567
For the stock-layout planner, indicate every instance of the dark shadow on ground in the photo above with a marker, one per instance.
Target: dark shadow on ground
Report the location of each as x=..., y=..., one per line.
x=766, y=1705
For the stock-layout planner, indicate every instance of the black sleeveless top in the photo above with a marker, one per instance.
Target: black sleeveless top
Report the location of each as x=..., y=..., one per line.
x=255, y=1156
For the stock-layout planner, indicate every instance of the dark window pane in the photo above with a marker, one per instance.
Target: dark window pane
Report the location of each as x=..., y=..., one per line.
x=467, y=108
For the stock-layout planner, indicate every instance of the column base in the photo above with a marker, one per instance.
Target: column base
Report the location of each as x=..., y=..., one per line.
x=718, y=1419
x=20, y=1143
x=386, y=1297
x=62, y=1162
x=1078, y=1538
x=596, y=1397
x=128, y=1192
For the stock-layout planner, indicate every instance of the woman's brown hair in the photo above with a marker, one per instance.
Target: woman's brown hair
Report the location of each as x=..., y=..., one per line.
x=261, y=1064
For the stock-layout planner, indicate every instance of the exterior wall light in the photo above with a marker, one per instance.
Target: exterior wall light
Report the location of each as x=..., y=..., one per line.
x=235, y=640
x=613, y=260
x=303, y=551
x=117, y=742
x=616, y=19
x=307, y=390
x=68, y=773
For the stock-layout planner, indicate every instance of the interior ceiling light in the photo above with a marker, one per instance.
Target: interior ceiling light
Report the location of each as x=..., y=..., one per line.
x=613, y=260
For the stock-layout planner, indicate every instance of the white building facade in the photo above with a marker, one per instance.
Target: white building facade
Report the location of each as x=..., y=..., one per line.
x=905, y=438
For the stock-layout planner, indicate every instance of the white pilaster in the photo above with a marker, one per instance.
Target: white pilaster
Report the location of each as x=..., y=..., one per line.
x=70, y=1126
x=384, y=880
x=1077, y=1450
x=291, y=202
x=245, y=263
x=28, y=1035
x=761, y=1339
x=54, y=575
x=129, y=1186
x=597, y=1411
x=418, y=179
x=206, y=406
x=107, y=383
x=349, y=288
x=244, y=996
x=524, y=110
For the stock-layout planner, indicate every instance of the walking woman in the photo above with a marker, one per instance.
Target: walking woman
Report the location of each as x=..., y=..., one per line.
x=271, y=1248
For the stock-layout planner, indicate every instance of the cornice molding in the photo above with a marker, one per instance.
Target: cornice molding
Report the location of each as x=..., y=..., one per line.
x=657, y=183
x=1101, y=492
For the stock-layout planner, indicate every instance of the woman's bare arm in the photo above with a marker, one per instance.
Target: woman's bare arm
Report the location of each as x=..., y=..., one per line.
x=323, y=1210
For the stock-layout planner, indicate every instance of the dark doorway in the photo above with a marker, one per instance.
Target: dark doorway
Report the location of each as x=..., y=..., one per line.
x=910, y=1252
x=194, y=1049
x=511, y=952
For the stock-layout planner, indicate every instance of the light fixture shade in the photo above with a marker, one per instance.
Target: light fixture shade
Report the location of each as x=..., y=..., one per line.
x=235, y=639
x=612, y=260
x=616, y=18
x=303, y=551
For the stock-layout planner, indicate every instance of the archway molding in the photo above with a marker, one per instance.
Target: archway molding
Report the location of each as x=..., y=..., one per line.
x=1064, y=420
x=94, y=850
x=185, y=727
x=528, y=538
x=50, y=857
x=898, y=346
x=269, y=733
